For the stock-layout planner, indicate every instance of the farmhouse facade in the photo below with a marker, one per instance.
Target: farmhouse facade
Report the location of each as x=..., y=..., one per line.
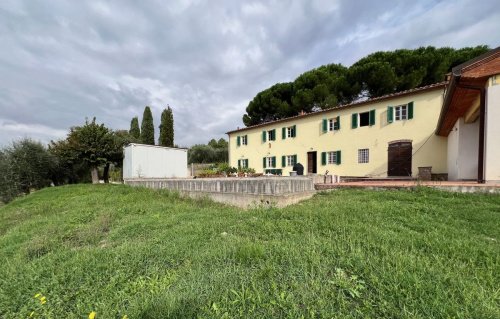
x=436, y=126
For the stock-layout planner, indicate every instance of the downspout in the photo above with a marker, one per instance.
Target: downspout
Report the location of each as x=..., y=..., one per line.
x=482, y=118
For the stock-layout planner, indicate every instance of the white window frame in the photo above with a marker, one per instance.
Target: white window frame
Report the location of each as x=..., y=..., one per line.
x=290, y=160
x=269, y=135
x=401, y=112
x=331, y=157
x=289, y=131
x=363, y=155
x=244, y=140
x=331, y=124
x=269, y=162
x=244, y=163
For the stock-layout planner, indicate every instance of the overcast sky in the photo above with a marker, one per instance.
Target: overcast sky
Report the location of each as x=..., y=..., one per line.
x=63, y=61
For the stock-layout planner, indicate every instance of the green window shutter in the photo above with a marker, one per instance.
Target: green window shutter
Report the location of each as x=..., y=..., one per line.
x=295, y=159
x=325, y=125
x=239, y=163
x=273, y=135
x=274, y=161
x=283, y=161
x=246, y=162
x=294, y=131
x=372, y=117
x=390, y=114
x=264, y=133
x=336, y=125
x=246, y=138
x=264, y=162
x=339, y=160
x=410, y=110
x=283, y=133
x=238, y=141
x=354, y=120
x=323, y=158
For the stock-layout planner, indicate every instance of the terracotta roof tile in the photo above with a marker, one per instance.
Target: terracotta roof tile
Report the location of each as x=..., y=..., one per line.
x=353, y=104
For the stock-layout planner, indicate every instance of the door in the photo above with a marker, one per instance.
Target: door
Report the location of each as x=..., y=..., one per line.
x=311, y=163
x=399, y=162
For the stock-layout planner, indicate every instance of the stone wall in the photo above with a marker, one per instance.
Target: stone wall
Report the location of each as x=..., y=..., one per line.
x=242, y=192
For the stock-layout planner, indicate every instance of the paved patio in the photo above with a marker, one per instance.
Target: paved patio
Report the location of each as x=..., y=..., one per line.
x=454, y=186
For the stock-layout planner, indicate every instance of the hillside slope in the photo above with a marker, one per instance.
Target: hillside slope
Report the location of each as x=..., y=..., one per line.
x=347, y=254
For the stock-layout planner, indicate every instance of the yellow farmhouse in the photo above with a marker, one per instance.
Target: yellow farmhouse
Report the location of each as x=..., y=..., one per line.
x=376, y=137
x=392, y=135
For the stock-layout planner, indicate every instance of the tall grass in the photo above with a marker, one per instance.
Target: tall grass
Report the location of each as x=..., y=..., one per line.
x=122, y=251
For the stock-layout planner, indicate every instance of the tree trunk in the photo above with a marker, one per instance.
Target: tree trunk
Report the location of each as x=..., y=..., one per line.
x=105, y=174
x=95, y=175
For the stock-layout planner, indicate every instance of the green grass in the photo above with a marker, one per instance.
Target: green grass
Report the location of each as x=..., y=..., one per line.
x=121, y=251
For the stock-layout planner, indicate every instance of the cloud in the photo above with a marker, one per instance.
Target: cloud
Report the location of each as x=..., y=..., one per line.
x=63, y=61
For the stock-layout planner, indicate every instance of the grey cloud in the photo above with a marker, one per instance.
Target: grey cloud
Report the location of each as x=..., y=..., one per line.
x=63, y=61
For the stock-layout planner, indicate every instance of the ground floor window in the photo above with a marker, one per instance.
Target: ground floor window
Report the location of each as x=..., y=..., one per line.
x=243, y=163
x=290, y=160
x=332, y=157
x=269, y=162
x=363, y=155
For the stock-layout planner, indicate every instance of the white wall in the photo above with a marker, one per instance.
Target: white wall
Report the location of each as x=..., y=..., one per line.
x=150, y=161
x=492, y=149
x=463, y=150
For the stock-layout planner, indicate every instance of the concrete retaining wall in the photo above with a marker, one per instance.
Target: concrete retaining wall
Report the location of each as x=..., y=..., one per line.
x=242, y=192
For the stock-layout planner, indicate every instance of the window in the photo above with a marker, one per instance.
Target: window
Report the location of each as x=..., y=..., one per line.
x=290, y=160
x=363, y=119
x=290, y=131
x=401, y=112
x=271, y=135
x=330, y=158
x=241, y=140
x=243, y=163
x=334, y=124
x=269, y=162
x=363, y=155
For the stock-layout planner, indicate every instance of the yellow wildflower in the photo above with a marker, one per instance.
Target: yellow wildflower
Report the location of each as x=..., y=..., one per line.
x=32, y=314
x=43, y=300
x=38, y=295
x=125, y=317
x=92, y=315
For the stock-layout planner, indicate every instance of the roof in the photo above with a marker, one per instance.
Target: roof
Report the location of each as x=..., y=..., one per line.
x=156, y=146
x=430, y=87
x=467, y=79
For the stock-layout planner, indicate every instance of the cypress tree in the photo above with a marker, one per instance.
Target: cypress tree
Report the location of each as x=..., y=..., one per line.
x=162, y=140
x=135, y=131
x=169, y=123
x=147, y=127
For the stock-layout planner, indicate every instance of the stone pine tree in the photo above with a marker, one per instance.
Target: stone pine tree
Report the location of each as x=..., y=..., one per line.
x=135, y=131
x=147, y=127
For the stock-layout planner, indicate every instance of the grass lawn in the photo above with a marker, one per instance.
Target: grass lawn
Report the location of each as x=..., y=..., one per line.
x=122, y=251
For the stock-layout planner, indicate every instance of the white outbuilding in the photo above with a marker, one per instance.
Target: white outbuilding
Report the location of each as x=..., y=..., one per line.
x=150, y=161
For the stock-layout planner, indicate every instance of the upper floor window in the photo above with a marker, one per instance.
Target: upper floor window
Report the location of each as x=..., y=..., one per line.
x=400, y=113
x=290, y=131
x=332, y=124
x=363, y=119
x=269, y=135
x=242, y=140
